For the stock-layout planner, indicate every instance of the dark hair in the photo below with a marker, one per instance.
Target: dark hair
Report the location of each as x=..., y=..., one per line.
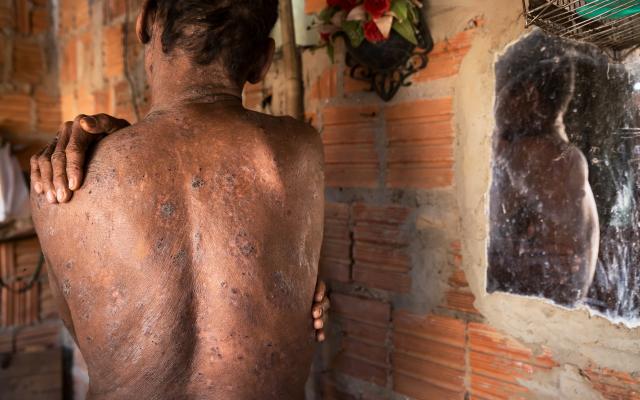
x=529, y=104
x=233, y=30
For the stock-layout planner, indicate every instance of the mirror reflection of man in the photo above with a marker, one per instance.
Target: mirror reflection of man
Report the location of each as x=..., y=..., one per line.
x=186, y=263
x=544, y=222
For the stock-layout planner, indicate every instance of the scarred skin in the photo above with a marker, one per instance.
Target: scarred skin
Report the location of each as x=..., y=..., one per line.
x=186, y=263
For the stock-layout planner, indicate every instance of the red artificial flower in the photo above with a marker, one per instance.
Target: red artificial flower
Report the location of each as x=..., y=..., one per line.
x=372, y=33
x=377, y=8
x=326, y=36
x=346, y=5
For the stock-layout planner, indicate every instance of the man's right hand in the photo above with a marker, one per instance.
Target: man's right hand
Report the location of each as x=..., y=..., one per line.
x=58, y=170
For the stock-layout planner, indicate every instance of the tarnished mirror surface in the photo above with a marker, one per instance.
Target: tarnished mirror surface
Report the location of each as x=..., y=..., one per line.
x=564, y=217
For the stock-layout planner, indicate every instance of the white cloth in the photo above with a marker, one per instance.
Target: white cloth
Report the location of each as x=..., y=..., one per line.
x=14, y=194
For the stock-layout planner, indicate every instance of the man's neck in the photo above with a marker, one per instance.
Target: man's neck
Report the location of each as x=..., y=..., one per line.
x=178, y=82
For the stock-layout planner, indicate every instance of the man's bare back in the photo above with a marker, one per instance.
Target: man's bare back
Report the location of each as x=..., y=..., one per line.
x=185, y=266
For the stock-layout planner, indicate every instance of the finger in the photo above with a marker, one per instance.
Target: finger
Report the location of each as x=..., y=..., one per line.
x=102, y=123
x=75, y=153
x=321, y=290
x=46, y=172
x=36, y=180
x=320, y=336
x=59, y=164
x=325, y=304
x=318, y=324
x=316, y=311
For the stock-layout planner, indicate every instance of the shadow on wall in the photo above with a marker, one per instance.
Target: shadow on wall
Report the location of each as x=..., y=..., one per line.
x=564, y=200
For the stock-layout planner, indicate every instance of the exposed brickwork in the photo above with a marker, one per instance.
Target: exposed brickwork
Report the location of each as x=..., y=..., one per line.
x=429, y=356
x=365, y=324
x=421, y=143
x=614, y=385
x=335, y=261
x=446, y=57
x=350, y=149
x=28, y=61
x=380, y=251
x=497, y=362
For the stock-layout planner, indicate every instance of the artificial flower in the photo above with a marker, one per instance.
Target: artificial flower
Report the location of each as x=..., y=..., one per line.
x=377, y=8
x=372, y=33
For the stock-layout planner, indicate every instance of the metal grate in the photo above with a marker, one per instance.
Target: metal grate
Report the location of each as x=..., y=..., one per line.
x=613, y=25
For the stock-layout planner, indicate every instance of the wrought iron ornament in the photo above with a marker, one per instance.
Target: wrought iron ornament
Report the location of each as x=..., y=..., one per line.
x=388, y=65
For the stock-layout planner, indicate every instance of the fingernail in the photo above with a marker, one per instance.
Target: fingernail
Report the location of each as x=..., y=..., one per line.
x=61, y=195
x=90, y=121
x=51, y=196
x=72, y=183
x=38, y=188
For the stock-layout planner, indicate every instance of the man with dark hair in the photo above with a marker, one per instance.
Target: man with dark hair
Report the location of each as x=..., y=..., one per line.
x=186, y=263
x=544, y=222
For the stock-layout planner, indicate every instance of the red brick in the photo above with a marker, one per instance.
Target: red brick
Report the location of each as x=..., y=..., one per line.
x=365, y=332
x=387, y=214
x=376, y=354
x=113, y=51
x=485, y=339
x=419, y=389
x=432, y=327
x=86, y=60
x=362, y=369
x=39, y=337
x=102, y=99
x=421, y=144
x=6, y=340
x=429, y=356
x=67, y=15
x=344, y=175
x=359, y=309
x=458, y=279
x=82, y=15
x=354, y=85
x=337, y=270
x=614, y=385
x=23, y=22
x=69, y=70
x=15, y=112
x=7, y=15
x=461, y=300
x=48, y=113
x=85, y=100
x=490, y=389
x=69, y=109
x=29, y=62
x=123, y=101
x=389, y=257
x=446, y=57
x=374, y=277
x=40, y=20
x=350, y=150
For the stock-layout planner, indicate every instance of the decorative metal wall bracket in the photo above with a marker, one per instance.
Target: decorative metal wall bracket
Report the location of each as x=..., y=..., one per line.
x=388, y=65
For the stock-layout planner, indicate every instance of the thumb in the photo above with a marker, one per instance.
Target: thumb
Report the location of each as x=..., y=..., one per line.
x=102, y=124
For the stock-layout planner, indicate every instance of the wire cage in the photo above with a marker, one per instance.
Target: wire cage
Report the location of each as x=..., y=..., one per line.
x=612, y=25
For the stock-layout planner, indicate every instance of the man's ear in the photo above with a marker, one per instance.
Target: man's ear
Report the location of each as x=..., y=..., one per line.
x=145, y=20
x=260, y=72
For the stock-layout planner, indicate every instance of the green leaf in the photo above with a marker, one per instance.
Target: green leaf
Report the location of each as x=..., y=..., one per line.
x=401, y=9
x=326, y=14
x=354, y=31
x=406, y=30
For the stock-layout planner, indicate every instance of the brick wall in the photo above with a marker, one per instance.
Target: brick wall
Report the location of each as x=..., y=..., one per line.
x=29, y=96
